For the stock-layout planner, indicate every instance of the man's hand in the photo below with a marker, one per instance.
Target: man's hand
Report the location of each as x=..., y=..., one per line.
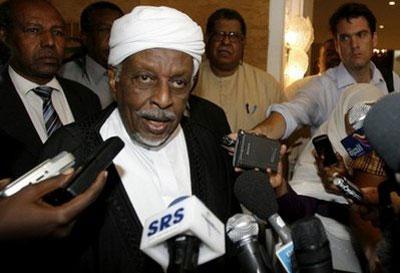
x=277, y=179
x=230, y=138
x=369, y=210
x=326, y=173
x=26, y=215
x=272, y=127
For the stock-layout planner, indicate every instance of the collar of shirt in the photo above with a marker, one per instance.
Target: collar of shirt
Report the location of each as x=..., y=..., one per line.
x=23, y=85
x=344, y=78
x=95, y=70
x=152, y=178
x=207, y=65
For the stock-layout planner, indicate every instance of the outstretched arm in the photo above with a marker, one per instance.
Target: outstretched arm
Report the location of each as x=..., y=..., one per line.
x=273, y=127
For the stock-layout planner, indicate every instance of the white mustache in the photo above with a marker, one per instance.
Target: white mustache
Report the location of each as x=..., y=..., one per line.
x=157, y=115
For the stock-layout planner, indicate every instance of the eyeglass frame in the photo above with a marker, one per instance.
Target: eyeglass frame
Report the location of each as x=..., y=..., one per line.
x=231, y=35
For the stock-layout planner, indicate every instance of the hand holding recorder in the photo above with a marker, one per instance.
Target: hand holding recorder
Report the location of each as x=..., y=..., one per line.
x=324, y=150
x=328, y=163
x=31, y=207
x=26, y=215
x=253, y=151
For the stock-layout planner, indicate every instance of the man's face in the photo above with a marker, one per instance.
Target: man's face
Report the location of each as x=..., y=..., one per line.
x=152, y=92
x=37, y=41
x=355, y=42
x=96, y=40
x=225, y=51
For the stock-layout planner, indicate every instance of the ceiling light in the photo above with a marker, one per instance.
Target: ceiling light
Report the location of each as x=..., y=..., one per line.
x=381, y=26
x=392, y=3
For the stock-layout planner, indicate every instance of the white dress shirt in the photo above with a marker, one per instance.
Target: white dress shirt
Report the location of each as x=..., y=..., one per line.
x=152, y=178
x=314, y=102
x=92, y=75
x=34, y=104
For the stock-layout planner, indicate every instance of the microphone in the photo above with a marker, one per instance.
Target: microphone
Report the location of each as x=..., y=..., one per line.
x=183, y=250
x=382, y=129
x=253, y=190
x=311, y=246
x=348, y=189
x=183, y=254
x=173, y=237
x=242, y=229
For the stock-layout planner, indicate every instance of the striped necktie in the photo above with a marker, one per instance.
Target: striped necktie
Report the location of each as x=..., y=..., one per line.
x=51, y=119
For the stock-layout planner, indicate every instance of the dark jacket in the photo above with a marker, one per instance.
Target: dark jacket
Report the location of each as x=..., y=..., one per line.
x=108, y=236
x=210, y=115
x=20, y=145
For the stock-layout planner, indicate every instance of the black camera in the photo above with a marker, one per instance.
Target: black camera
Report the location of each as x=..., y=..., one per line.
x=323, y=147
x=255, y=151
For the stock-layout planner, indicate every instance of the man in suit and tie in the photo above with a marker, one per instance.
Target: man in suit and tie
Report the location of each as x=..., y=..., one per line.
x=33, y=101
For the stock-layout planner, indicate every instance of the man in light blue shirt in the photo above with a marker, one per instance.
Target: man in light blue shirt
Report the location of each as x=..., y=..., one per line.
x=91, y=69
x=354, y=29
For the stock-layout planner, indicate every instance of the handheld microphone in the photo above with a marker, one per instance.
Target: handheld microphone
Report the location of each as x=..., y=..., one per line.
x=311, y=246
x=183, y=250
x=183, y=253
x=382, y=129
x=348, y=189
x=189, y=217
x=253, y=190
x=242, y=229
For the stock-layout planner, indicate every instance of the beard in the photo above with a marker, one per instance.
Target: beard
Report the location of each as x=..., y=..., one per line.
x=148, y=143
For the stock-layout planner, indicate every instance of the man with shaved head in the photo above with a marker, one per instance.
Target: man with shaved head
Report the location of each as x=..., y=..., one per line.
x=33, y=101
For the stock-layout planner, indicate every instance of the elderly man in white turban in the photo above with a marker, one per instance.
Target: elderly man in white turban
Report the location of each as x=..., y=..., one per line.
x=154, y=54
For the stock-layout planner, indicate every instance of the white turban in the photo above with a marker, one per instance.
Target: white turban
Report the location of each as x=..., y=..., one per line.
x=149, y=27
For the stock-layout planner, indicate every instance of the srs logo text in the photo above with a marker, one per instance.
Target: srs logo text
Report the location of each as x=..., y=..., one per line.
x=166, y=221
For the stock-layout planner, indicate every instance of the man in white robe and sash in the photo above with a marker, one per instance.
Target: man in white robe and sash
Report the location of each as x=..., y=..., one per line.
x=154, y=54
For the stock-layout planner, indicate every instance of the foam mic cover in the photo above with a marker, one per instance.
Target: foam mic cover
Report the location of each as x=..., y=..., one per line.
x=253, y=190
x=382, y=129
x=311, y=246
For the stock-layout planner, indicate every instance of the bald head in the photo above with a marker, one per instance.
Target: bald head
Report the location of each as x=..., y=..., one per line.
x=35, y=33
x=11, y=10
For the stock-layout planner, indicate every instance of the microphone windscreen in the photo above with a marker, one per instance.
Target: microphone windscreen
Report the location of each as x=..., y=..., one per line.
x=382, y=129
x=241, y=226
x=253, y=190
x=311, y=246
x=308, y=233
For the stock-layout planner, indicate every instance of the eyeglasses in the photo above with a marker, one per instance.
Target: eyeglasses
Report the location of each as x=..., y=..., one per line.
x=234, y=37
